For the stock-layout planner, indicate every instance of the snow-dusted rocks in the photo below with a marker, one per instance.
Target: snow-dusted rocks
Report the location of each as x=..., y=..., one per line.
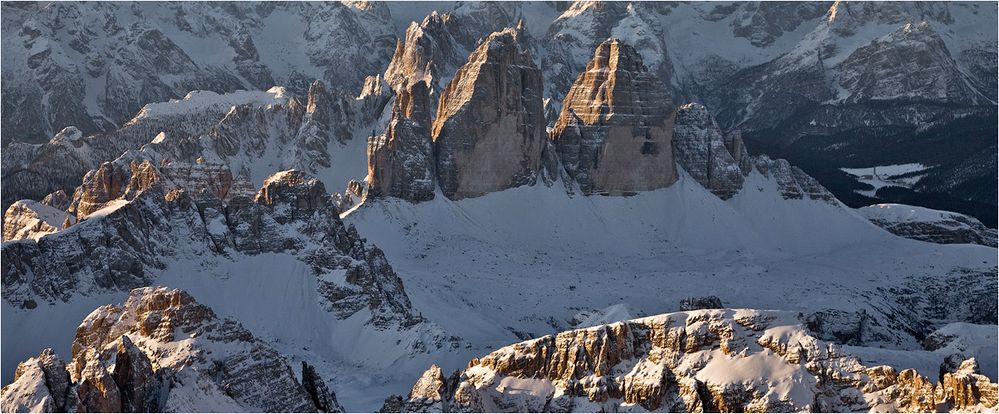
x=429, y=53
x=613, y=134
x=162, y=351
x=490, y=127
x=401, y=161
x=570, y=40
x=703, y=151
x=929, y=225
x=708, y=360
x=27, y=219
x=94, y=66
x=41, y=384
x=893, y=67
x=33, y=171
x=133, y=224
x=793, y=183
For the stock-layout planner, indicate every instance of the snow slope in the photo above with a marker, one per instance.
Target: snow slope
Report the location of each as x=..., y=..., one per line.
x=523, y=262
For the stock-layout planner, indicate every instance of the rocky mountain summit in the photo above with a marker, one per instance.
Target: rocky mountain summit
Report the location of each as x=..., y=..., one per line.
x=527, y=168
x=162, y=351
x=614, y=134
x=715, y=160
x=490, y=126
x=704, y=360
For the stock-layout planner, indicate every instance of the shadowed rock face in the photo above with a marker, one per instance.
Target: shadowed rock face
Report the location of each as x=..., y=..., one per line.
x=401, y=161
x=613, y=134
x=704, y=152
x=690, y=362
x=490, y=127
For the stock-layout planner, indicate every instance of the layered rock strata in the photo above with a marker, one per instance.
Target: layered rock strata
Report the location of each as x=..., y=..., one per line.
x=489, y=130
x=613, y=134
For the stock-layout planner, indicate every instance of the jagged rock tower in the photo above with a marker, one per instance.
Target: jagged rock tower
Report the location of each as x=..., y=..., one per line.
x=490, y=125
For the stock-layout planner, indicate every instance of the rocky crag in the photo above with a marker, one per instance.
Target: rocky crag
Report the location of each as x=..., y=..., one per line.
x=490, y=127
x=131, y=218
x=614, y=134
x=162, y=351
x=694, y=361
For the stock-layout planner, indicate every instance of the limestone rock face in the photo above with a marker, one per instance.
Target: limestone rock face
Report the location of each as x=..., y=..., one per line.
x=41, y=384
x=27, y=219
x=690, y=362
x=375, y=94
x=613, y=134
x=490, y=129
x=703, y=151
x=429, y=53
x=155, y=353
x=299, y=191
x=401, y=161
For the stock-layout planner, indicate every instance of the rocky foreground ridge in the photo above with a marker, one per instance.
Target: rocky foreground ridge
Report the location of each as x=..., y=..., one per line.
x=162, y=351
x=717, y=360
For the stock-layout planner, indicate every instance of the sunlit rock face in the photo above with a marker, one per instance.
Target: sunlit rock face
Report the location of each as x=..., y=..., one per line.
x=429, y=53
x=158, y=352
x=27, y=219
x=697, y=361
x=401, y=161
x=489, y=130
x=613, y=134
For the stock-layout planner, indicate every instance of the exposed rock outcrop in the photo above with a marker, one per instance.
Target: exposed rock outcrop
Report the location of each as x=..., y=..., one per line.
x=252, y=133
x=924, y=224
x=429, y=53
x=613, y=134
x=156, y=353
x=703, y=151
x=41, y=384
x=692, y=362
x=322, y=397
x=154, y=220
x=793, y=183
x=490, y=129
x=401, y=161
x=27, y=219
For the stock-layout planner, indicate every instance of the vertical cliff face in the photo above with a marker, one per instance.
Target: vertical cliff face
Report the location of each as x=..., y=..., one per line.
x=400, y=161
x=613, y=134
x=490, y=128
x=704, y=152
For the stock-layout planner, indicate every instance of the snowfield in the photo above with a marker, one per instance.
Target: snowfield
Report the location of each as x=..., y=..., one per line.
x=534, y=260
x=524, y=262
